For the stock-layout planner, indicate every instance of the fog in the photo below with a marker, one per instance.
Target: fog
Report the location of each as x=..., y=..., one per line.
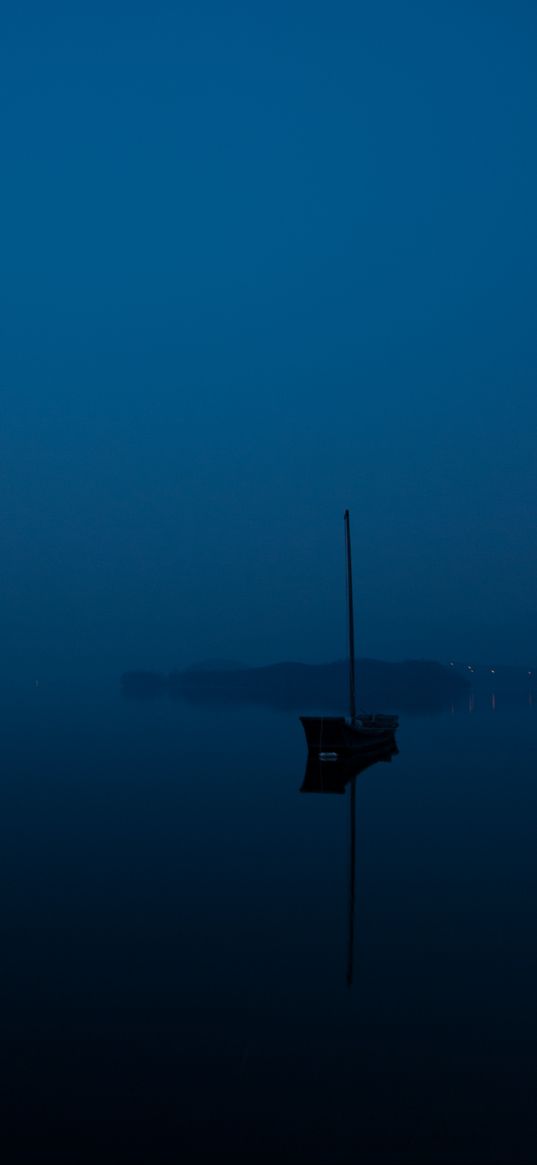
x=260, y=265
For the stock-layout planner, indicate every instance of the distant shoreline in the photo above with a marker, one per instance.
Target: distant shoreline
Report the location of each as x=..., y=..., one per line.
x=410, y=685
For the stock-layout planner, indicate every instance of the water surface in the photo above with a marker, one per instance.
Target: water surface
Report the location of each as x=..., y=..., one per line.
x=174, y=918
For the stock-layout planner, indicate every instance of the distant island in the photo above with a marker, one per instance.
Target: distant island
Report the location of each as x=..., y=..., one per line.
x=412, y=685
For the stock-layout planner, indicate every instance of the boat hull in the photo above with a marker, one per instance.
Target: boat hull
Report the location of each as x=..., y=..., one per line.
x=338, y=735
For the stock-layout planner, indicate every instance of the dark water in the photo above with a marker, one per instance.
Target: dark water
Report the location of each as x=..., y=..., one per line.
x=174, y=920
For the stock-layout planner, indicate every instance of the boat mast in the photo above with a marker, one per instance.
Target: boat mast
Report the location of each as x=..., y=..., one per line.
x=352, y=676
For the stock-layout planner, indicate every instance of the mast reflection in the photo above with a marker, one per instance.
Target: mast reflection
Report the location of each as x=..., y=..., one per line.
x=332, y=774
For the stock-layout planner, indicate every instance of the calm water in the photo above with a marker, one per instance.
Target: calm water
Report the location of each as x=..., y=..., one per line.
x=174, y=918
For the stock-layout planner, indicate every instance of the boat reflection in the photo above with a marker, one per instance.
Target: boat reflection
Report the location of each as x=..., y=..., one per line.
x=331, y=773
x=328, y=773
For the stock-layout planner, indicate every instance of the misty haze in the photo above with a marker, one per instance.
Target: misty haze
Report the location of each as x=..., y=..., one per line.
x=269, y=864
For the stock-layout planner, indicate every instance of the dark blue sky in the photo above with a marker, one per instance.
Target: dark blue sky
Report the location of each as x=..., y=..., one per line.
x=261, y=262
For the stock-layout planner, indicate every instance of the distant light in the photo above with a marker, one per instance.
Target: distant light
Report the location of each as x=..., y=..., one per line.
x=452, y=664
x=530, y=673
x=493, y=671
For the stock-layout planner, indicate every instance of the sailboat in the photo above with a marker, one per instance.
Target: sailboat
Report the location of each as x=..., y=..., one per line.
x=344, y=735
